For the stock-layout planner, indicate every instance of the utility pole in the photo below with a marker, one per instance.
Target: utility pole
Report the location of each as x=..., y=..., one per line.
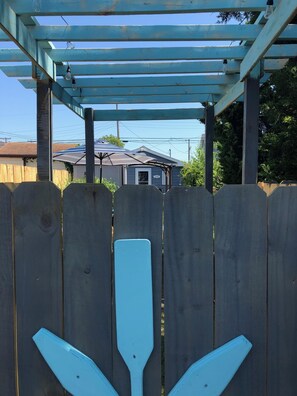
x=118, y=124
x=169, y=152
x=189, y=150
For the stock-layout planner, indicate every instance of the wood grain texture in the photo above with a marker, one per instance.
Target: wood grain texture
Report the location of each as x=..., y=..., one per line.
x=38, y=272
x=241, y=280
x=138, y=214
x=87, y=272
x=188, y=279
x=282, y=291
x=7, y=322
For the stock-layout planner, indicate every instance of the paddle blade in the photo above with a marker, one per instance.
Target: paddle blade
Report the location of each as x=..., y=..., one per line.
x=211, y=374
x=134, y=301
x=77, y=373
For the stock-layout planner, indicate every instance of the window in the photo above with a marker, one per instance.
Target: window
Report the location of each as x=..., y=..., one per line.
x=143, y=176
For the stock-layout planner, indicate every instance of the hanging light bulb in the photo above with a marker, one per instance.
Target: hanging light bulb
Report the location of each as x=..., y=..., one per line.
x=74, y=86
x=68, y=75
x=225, y=63
x=269, y=9
x=70, y=45
x=36, y=5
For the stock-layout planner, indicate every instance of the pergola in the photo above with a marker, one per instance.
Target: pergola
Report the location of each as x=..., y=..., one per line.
x=215, y=76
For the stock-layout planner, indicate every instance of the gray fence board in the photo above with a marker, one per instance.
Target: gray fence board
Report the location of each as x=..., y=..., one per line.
x=7, y=358
x=282, y=296
x=38, y=271
x=188, y=278
x=241, y=279
x=138, y=214
x=87, y=271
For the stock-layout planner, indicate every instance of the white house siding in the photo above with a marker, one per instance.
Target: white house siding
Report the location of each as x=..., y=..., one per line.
x=113, y=173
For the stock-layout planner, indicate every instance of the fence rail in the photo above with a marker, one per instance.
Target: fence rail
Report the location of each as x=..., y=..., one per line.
x=229, y=265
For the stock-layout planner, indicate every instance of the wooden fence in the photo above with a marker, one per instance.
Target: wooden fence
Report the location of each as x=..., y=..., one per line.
x=17, y=174
x=229, y=265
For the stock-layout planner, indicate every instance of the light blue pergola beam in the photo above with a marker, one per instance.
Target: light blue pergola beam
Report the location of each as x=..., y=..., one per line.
x=151, y=54
x=90, y=69
x=234, y=94
x=155, y=33
x=277, y=22
x=115, y=7
x=19, y=34
x=166, y=53
x=111, y=82
x=158, y=114
x=152, y=90
x=63, y=96
x=198, y=98
x=12, y=55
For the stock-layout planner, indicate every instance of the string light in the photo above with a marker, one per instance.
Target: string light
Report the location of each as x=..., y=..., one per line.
x=269, y=9
x=225, y=63
x=68, y=74
x=74, y=86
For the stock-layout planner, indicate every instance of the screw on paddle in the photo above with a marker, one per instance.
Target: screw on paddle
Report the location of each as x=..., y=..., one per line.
x=77, y=373
x=210, y=375
x=134, y=306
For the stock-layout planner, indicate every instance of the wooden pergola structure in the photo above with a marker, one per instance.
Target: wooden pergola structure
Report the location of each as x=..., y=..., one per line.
x=216, y=75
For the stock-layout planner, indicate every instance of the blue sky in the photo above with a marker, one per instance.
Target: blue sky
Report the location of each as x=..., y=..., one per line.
x=18, y=105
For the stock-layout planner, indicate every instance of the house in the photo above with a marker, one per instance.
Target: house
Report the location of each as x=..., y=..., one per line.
x=25, y=153
x=165, y=174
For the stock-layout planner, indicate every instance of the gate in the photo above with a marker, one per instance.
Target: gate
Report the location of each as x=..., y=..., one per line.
x=223, y=265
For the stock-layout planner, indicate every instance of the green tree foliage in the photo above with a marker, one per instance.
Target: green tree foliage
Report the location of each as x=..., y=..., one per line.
x=113, y=140
x=278, y=138
x=228, y=135
x=107, y=183
x=277, y=127
x=193, y=172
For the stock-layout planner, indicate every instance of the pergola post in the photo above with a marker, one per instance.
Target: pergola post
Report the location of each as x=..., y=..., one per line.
x=44, y=130
x=250, y=130
x=89, y=137
x=209, y=132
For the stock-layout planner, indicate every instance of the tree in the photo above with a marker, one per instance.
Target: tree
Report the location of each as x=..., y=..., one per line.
x=277, y=127
x=193, y=172
x=113, y=140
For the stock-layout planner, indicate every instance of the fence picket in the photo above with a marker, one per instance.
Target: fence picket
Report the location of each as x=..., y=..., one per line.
x=138, y=214
x=241, y=280
x=188, y=278
x=87, y=271
x=282, y=296
x=7, y=358
x=38, y=271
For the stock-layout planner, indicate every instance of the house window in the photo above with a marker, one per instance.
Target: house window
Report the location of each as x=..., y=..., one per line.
x=143, y=176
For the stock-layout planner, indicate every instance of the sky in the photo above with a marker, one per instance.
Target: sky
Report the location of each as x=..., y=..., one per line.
x=18, y=105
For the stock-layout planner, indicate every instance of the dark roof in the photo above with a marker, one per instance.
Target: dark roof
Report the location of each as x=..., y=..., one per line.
x=159, y=156
x=28, y=149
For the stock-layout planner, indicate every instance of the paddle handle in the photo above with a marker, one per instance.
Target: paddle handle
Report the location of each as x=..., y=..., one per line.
x=136, y=384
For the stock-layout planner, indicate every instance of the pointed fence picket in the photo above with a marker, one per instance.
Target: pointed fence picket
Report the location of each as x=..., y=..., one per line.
x=282, y=291
x=188, y=262
x=229, y=269
x=240, y=224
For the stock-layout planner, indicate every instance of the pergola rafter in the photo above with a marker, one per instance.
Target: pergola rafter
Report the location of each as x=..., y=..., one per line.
x=220, y=75
x=114, y=7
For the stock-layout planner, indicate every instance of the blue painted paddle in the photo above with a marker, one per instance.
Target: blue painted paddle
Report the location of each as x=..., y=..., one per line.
x=77, y=373
x=211, y=374
x=134, y=306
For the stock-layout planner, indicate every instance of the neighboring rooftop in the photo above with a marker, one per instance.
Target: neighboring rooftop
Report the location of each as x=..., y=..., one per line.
x=28, y=149
x=153, y=153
